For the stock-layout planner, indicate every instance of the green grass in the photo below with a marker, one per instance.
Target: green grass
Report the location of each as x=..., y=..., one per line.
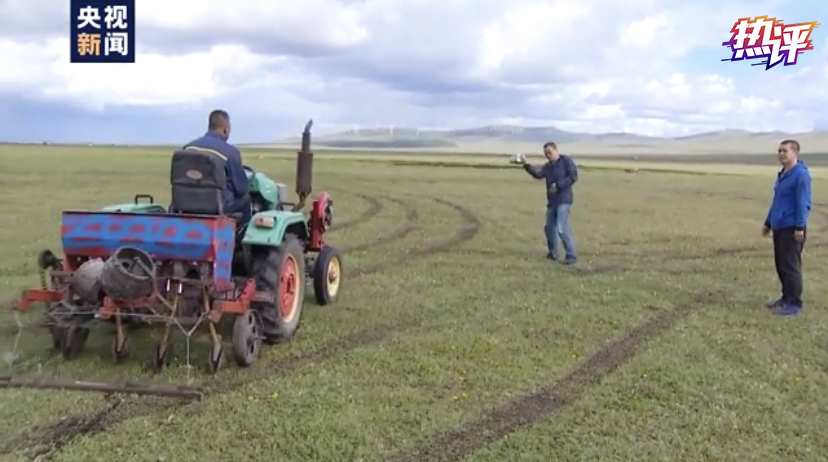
x=453, y=319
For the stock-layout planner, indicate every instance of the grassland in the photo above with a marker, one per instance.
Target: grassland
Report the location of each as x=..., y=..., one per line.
x=454, y=338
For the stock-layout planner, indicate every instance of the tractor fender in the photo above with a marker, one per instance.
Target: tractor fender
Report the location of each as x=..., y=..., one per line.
x=268, y=228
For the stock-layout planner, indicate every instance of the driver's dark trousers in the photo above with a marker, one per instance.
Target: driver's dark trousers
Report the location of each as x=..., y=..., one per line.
x=243, y=206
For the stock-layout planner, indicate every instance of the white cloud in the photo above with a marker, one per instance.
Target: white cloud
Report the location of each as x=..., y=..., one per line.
x=27, y=65
x=153, y=79
x=643, y=32
x=326, y=23
x=44, y=71
x=579, y=64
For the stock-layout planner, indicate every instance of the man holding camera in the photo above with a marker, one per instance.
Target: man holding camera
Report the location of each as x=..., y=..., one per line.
x=560, y=174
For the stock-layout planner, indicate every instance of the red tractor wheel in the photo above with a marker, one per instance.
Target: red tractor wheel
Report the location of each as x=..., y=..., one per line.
x=281, y=273
x=289, y=279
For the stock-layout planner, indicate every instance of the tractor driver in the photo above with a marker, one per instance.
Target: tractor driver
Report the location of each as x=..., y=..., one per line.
x=237, y=195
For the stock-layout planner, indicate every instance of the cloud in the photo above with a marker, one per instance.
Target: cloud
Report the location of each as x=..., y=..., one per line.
x=648, y=66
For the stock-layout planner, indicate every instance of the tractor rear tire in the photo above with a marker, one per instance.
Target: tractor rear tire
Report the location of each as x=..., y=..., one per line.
x=281, y=272
x=327, y=275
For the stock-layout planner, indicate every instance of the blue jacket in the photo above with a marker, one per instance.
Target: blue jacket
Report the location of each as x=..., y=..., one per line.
x=238, y=188
x=791, y=199
x=562, y=173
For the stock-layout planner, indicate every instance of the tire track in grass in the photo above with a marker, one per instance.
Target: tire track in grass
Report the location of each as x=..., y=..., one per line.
x=411, y=222
x=461, y=441
x=375, y=207
x=469, y=228
x=50, y=438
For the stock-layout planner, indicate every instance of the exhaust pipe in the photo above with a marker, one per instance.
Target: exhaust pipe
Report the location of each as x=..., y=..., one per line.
x=304, y=168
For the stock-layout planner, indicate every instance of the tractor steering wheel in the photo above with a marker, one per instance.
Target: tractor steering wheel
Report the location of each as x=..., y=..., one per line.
x=251, y=173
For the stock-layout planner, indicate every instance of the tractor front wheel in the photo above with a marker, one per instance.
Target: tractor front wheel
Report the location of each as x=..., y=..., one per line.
x=327, y=275
x=281, y=273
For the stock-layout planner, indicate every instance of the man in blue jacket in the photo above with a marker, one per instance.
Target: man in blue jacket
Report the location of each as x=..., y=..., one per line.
x=560, y=174
x=787, y=220
x=237, y=195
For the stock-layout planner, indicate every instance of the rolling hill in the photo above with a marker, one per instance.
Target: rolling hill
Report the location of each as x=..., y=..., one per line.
x=506, y=138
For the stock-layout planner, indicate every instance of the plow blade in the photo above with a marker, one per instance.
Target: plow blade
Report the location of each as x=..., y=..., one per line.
x=173, y=391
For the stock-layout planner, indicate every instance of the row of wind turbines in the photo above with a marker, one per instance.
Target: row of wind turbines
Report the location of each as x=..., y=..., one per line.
x=390, y=129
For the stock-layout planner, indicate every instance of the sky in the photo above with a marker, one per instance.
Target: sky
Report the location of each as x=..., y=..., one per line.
x=651, y=67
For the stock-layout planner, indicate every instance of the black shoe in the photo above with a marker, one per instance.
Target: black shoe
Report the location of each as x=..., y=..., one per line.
x=788, y=309
x=778, y=303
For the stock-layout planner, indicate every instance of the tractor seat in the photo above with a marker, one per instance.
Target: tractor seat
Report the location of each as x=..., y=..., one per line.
x=198, y=179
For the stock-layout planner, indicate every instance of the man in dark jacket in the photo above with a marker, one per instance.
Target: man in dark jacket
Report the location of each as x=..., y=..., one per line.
x=237, y=195
x=787, y=220
x=560, y=174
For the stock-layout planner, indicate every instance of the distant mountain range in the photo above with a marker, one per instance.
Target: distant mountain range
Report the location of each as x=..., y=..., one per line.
x=508, y=138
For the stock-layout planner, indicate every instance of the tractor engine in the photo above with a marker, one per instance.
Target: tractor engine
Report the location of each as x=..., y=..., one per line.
x=260, y=203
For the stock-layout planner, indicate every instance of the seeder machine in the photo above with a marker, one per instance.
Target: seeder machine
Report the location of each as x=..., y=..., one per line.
x=191, y=265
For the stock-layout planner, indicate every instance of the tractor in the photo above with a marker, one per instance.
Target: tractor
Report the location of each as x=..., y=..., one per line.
x=191, y=265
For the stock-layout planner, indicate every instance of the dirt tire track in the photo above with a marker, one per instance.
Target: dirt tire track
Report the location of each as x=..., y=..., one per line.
x=56, y=435
x=469, y=228
x=455, y=444
x=71, y=425
x=374, y=208
x=412, y=222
